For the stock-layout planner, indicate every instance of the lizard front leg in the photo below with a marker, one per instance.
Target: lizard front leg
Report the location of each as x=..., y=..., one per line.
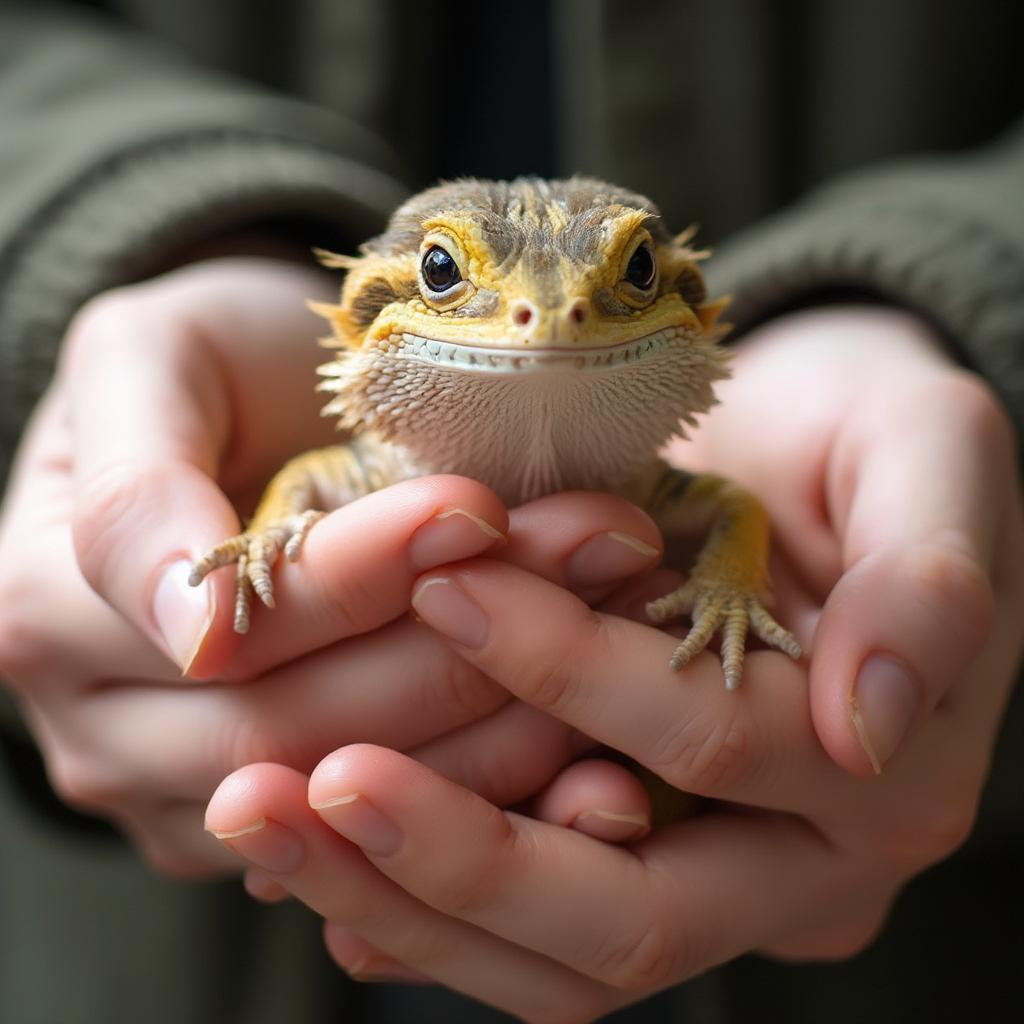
x=728, y=584
x=299, y=495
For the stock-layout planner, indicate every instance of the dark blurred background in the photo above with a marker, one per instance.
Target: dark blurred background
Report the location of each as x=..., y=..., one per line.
x=719, y=110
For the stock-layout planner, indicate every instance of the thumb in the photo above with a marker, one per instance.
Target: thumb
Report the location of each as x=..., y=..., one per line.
x=149, y=420
x=896, y=633
x=914, y=605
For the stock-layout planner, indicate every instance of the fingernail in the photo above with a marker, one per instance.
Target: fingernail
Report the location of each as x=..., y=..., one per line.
x=183, y=614
x=882, y=706
x=612, y=826
x=443, y=605
x=449, y=536
x=387, y=971
x=608, y=558
x=354, y=817
x=268, y=845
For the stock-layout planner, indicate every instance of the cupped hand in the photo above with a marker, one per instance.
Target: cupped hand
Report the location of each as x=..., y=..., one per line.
x=891, y=478
x=175, y=400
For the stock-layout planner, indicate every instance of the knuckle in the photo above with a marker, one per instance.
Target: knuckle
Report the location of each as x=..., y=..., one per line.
x=836, y=943
x=92, y=325
x=351, y=603
x=26, y=654
x=949, y=576
x=979, y=412
x=847, y=942
x=250, y=738
x=85, y=783
x=104, y=502
x=641, y=961
x=552, y=686
x=96, y=331
x=556, y=681
x=920, y=840
x=463, y=688
x=423, y=944
x=704, y=753
x=462, y=887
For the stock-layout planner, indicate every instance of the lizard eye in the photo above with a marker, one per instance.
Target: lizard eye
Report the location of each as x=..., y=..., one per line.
x=641, y=269
x=440, y=271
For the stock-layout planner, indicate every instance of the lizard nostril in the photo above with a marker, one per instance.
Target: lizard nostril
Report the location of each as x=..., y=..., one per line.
x=579, y=311
x=523, y=313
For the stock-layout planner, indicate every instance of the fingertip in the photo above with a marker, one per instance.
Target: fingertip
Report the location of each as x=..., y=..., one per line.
x=358, y=565
x=137, y=530
x=598, y=798
x=207, y=640
x=250, y=795
x=452, y=534
x=895, y=636
x=586, y=541
x=608, y=558
x=884, y=702
x=345, y=771
x=466, y=518
x=183, y=612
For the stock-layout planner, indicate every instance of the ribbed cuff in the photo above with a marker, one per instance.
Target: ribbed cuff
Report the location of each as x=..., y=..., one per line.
x=957, y=271
x=125, y=219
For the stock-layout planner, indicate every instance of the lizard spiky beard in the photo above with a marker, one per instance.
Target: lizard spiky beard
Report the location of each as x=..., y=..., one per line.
x=526, y=424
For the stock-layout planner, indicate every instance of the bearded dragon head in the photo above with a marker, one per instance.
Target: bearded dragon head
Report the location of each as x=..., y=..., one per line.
x=535, y=335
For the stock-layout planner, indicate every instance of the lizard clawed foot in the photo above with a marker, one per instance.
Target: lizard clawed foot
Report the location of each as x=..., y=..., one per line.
x=255, y=552
x=715, y=606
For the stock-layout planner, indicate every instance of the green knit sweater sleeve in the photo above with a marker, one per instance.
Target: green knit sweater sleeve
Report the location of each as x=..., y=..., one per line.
x=116, y=155
x=941, y=235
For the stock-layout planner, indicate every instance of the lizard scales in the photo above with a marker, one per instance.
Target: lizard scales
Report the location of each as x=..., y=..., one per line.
x=536, y=336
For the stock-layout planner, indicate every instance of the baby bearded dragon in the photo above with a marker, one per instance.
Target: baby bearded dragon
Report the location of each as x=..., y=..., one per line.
x=536, y=336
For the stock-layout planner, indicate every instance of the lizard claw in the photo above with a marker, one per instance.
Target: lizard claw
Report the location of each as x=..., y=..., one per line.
x=720, y=606
x=254, y=554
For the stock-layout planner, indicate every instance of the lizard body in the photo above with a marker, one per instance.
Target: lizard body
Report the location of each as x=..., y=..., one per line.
x=536, y=336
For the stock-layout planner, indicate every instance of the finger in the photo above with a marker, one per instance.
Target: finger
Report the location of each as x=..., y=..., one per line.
x=914, y=605
x=610, y=679
x=600, y=799
x=364, y=962
x=839, y=940
x=506, y=757
x=262, y=814
x=630, y=600
x=149, y=422
x=261, y=886
x=587, y=542
x=638, y=919
x=358, y=564
x=57, y=631
x=399, y=686
x=170, y=837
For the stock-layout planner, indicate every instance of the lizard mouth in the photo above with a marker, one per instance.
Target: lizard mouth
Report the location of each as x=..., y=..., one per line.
x=518, y=359
x=531, y=421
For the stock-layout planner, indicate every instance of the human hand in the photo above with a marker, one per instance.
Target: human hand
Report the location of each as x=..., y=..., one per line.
x=892, y=484
x=151, y=415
